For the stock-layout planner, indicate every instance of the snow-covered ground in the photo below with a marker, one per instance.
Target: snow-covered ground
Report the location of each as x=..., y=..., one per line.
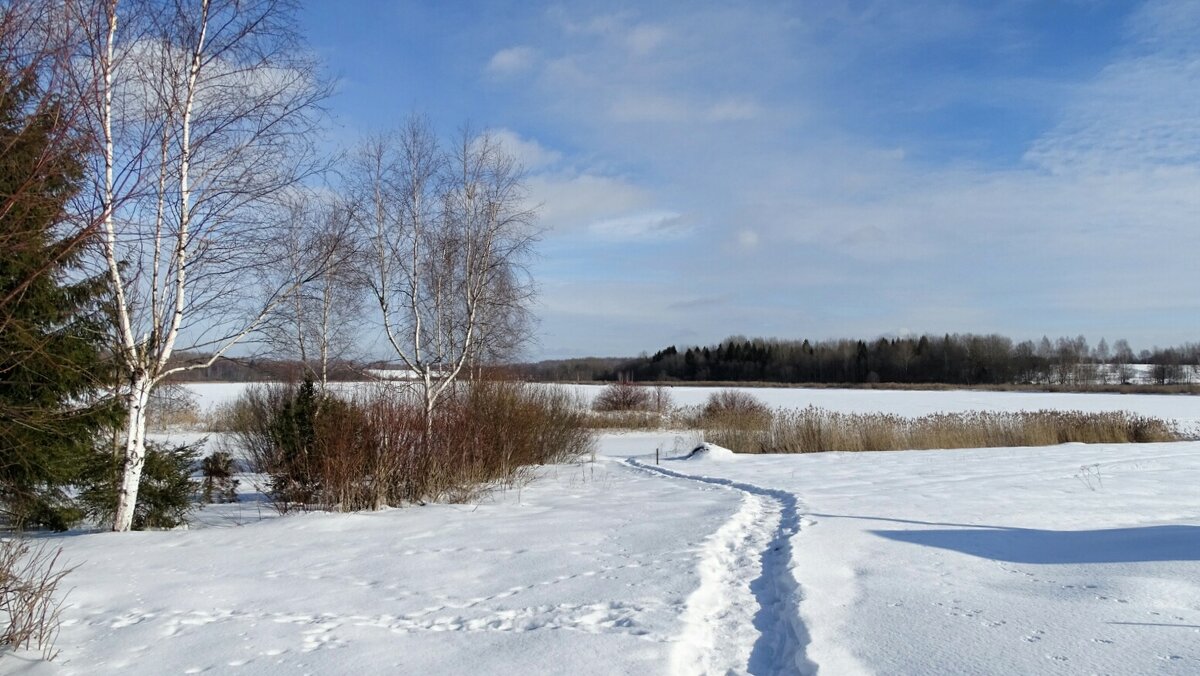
x=585, y=571
x=1068, y=559
x=1074, y=559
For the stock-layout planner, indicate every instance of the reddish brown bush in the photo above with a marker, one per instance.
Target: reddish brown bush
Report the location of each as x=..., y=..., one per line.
x=734, y=404
x=623, y=395
x=370, y=449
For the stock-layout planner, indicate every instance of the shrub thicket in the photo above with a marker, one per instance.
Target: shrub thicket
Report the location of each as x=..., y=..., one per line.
x=623, y=395
x=370, y=449
x=732, y=418
x=629, y=420
x=172, y=406
x=627, y=405
x=724, y=404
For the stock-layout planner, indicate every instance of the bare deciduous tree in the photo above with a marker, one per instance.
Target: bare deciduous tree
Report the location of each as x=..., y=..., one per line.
x=316, y=256
x=447, y=234
x=203, y=116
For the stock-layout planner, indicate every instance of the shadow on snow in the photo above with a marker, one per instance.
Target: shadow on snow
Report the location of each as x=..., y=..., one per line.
x=1136, y=544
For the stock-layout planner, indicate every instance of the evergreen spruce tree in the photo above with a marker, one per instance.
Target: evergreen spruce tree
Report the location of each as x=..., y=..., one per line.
x=50, y=355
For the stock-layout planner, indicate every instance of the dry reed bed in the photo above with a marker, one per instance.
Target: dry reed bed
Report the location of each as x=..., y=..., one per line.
x=631, y=420
x=812, y=430
x=1112, y=388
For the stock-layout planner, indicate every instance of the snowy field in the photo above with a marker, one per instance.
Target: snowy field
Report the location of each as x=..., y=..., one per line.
x=1074, y=559
x=1183, y=408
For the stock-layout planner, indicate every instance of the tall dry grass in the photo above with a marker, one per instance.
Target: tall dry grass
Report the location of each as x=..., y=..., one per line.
x=30, y=603
x=631, y=420
x=813, y=430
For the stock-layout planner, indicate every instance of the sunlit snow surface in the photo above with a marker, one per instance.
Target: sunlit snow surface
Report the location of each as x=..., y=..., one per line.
x=1068, y=559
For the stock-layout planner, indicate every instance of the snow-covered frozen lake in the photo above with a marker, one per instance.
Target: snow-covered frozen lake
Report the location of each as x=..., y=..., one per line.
x=1184, y=408
x=1067, y=559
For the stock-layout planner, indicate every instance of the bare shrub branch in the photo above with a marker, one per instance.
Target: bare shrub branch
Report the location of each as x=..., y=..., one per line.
x=29, y=600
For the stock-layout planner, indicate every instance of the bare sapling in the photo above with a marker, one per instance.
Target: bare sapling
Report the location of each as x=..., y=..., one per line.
x=315, y=257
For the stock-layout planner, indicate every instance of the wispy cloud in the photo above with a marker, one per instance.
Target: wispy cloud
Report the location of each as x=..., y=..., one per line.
x=570, y=202
x=511, y=61
x=532, y=155
x=644, y=226
x=642, y=39
x=649, y=108
x=1140, y=111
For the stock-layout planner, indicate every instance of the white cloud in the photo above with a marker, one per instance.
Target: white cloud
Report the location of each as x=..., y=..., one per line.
x=747, y=238
x=644, y=38
x=641, y=227
x=1166, y=24
x=814, y=205
x=531, y=154
x=511, y=61
x=1140, y=111
x=600, y=24
x=572, y=202
x=661, y=107
x=1137, y=113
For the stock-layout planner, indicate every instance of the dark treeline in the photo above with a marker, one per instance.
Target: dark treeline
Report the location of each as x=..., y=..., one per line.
x=253, y=369
x=958, y=359
x=582, y=369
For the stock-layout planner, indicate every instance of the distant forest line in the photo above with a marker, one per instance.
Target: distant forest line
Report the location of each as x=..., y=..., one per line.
x=951, y=359
x=925, y=361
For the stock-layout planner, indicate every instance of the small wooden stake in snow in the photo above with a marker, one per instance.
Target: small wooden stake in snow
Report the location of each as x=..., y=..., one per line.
x=656, y=455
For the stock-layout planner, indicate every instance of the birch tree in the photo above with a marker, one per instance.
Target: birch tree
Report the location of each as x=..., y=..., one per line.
x=203, y=115
x=446, y=235
x=318, y=323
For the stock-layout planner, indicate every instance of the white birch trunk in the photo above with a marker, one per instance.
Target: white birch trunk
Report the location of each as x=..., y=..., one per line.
x=152, y=366
x=135, y=454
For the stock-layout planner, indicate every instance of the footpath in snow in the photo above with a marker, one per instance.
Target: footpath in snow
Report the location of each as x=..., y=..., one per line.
x=1073, y=559
x=744, y=616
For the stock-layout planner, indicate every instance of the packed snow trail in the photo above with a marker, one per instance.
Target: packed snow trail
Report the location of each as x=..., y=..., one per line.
x=744, y=617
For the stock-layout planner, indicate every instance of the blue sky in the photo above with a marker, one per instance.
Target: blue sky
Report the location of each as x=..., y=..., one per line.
x=818, y=169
